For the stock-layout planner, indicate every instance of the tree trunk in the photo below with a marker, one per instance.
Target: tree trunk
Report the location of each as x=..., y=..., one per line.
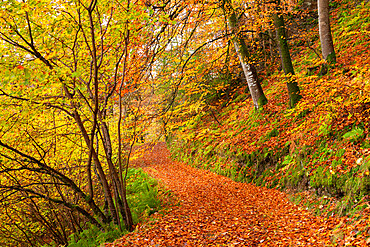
x=286, y=61
x=327, y=46
x=258, y=97
x=95, y=157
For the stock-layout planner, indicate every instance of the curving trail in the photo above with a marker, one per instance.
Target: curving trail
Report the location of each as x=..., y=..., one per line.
x=216, y=211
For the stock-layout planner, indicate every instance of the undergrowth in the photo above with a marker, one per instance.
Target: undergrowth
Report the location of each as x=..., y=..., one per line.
x=144, y=199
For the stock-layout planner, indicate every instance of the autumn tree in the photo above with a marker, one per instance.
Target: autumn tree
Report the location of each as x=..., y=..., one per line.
x=327, y=46
x=213, y=32
x=74, y=84
x=286, y=61
x=189, y=87
x=258, y=97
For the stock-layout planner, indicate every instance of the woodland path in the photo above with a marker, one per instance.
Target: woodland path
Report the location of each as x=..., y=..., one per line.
x=215, y=211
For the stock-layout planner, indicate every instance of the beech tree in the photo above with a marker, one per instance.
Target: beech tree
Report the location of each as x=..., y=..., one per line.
x=258, y=97
x=327, y=46
x=286, y=61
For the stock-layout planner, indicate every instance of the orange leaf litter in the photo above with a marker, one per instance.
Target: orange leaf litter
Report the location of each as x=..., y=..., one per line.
x=215, y=211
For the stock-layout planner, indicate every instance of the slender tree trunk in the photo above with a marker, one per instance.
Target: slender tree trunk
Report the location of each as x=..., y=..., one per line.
x=124, y=207
x=327, y=46
x=258, y=97
x=286, y=61
x=117, y=184
x=95, y=157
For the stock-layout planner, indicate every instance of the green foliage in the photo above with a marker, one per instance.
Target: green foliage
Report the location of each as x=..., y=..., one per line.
x=143, y=198
x=325, y=129
x=354, y=135
x=142, y=194
x=321, y=177
x=94, y=237
x=273, y=133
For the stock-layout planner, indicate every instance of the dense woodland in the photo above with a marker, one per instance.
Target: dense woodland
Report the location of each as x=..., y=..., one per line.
x=274, y=93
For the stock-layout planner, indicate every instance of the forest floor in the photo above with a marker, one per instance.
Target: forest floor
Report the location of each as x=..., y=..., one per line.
x=215, y=211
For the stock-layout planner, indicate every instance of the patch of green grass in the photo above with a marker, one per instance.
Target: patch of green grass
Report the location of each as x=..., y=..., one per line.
x=142, y=194
x=143, y=198
x=93, y=236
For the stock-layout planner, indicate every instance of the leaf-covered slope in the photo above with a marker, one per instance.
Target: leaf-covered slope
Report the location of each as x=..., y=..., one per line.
x=325, y=136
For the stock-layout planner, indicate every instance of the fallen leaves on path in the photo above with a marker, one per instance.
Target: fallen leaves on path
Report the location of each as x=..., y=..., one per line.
x=216, y=211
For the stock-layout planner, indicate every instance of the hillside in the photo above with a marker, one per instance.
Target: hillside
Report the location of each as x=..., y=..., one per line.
x=318, y=150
